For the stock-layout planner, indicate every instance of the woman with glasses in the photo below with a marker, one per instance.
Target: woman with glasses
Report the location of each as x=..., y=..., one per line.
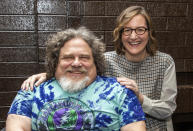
x=137, y=64
x=147, y=71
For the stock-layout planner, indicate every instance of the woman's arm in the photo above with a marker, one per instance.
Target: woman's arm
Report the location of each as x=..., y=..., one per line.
x=164, y=107
x=131, y=84
x=36, y=80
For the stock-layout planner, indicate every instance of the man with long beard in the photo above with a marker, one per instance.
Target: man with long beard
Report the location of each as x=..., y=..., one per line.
x=75, y=97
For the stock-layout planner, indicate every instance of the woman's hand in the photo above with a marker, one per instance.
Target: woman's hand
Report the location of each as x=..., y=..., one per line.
x=131, y=84
x=29, y=82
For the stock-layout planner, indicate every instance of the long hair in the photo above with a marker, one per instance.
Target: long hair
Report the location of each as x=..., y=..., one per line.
x=125, y=16
x=57, y=41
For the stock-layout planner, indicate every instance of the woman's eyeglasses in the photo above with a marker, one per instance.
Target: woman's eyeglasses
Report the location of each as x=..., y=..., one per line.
x=139, y=30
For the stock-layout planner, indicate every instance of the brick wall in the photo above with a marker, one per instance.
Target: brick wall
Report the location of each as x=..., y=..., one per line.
x=25, y=25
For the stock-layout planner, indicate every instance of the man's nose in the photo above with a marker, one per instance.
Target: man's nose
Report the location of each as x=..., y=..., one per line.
x=76, y=62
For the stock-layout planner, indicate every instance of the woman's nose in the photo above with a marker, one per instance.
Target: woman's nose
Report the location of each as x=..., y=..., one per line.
x=133, y=35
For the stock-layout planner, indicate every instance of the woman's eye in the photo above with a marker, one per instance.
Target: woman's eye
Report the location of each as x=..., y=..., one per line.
x=127, y=30
x=140, y=29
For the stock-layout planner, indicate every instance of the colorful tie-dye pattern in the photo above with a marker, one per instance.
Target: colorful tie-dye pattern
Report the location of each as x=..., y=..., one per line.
x=103, y=105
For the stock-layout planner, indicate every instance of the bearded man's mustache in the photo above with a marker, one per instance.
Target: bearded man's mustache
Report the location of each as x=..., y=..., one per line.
x=81, y=70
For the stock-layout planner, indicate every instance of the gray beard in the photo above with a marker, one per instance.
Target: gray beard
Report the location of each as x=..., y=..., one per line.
x=73, y=86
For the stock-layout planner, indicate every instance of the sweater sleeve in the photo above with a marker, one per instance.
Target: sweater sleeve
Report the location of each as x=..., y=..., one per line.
x=163, y=108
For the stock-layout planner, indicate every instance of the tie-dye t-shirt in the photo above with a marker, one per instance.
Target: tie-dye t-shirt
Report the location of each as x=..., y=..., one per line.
x=103, y=105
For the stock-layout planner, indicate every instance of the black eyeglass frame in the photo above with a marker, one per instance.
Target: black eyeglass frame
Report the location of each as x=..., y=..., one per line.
x=131, y=30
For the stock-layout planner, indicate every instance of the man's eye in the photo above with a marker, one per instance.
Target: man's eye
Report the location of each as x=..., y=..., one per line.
x=84, y=57
x=67, y=57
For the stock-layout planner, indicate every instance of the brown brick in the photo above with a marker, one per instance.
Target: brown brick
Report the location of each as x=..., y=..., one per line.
x=42, y=53
x=109, y=23
x=150, y=0
x=3, y=111
x=173, y=9
x=51, y=7
x=180, y=24
x=50, y=23
x=184, y=78
x=43, y=37
x=109, y=38
x=74, y=21
x=11, y=83
x=94, y=23
x=190, y=10
x=189, y=65
x=159, y=23
x=17, y=7
x=189, y=78
x=179, y=1
x=11, y=23
x=180, y=65
x=94, y=8
x=75, y=8
x=184, y=99
x=8, y=97
x=167, y=9
x=171, y=39
x=99, y=23
x=2, y=123
x=116, y=7
x=189, y=41
x=15, y=54
x=156, y=9
x=19, y=69
x=181, y=78
x=180, y=53
x=17, y=38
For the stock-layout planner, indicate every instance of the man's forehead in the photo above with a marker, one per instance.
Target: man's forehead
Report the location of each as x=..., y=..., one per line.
x=76, y=46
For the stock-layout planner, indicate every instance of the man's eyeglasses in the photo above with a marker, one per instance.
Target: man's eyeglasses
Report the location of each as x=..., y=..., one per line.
x=139, y=31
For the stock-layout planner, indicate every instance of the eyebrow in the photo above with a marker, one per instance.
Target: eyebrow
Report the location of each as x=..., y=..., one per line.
x=136, y=27
x=73, y=55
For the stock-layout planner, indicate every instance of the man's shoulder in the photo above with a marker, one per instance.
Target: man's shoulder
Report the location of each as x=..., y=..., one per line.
x=51, y=81
x=110, y=82
x=49, y=86
x=106, y=79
